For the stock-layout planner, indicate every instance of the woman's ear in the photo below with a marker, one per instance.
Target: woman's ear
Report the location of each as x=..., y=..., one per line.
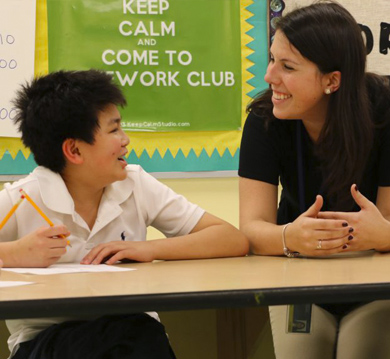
x=332, y=82
x=71, y=151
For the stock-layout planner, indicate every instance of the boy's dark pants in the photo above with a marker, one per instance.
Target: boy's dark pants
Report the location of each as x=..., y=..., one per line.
x=135, y=336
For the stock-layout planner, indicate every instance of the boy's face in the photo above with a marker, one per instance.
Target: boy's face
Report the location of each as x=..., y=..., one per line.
x=104, y=159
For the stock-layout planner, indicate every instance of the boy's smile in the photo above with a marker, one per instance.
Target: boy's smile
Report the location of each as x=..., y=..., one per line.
x=104, y=158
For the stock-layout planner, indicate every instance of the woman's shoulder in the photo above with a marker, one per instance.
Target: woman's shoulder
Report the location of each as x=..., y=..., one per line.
x=377, y=83
x=262, y=120
x=262, y=132
x=378, y=89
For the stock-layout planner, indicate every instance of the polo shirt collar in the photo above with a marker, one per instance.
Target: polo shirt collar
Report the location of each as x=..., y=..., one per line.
x=55, y=194
x=118, y=192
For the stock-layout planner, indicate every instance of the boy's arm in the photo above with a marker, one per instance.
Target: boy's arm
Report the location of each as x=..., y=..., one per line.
x=40, y=248
x=210, y=238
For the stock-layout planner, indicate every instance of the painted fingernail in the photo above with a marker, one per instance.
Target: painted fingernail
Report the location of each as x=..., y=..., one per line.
x=345, y=224
x=356, y=188
x=345, y=246
x=350, y=230
x=350, y=238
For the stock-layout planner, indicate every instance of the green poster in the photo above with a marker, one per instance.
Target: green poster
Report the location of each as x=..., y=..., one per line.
x=178, y=61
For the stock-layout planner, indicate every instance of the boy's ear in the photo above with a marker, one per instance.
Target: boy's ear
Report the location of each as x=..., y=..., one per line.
x=71, y=151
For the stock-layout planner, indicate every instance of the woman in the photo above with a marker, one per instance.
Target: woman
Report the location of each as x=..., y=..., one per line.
x=322, y=129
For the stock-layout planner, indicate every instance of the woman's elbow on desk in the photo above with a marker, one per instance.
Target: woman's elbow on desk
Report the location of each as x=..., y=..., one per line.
x=264, y=238
x=240, y=243
x=230, y=241
x=227, y=240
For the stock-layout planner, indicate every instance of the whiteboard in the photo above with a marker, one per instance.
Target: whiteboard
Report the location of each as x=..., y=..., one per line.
x=17, y=48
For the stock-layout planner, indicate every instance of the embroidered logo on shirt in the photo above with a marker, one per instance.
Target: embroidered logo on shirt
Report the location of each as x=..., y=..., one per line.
x=123, y=237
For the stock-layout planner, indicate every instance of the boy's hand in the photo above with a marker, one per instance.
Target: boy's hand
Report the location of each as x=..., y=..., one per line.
x=40, y=248
x=109, y=253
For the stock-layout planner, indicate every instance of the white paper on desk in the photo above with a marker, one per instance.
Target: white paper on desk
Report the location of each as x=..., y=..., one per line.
x=64, y=268
x=7, y=283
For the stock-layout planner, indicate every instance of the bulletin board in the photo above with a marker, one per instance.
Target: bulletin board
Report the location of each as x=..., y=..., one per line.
x=203, y=150
x=177, y=63
x=169, y=151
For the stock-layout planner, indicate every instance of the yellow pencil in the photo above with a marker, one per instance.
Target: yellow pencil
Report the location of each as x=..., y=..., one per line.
x=11, y=212
x=46, y=218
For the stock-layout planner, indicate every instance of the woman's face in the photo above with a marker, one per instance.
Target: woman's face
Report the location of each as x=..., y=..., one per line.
x=297, y=84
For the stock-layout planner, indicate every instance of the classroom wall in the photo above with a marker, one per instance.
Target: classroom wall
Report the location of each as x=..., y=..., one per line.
x=218, y=196
x=193, y=333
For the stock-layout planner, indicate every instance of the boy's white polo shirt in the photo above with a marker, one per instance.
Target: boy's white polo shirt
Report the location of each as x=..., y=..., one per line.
x=126, y=209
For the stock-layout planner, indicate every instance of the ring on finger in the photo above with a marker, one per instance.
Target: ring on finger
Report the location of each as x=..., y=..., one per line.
x=319, y=245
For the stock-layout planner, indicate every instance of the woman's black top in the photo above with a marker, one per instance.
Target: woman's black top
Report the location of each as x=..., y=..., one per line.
x=270, y=154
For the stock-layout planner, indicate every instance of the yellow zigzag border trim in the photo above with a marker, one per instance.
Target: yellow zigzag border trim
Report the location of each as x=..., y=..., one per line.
x=245, y=52
x=162, y=141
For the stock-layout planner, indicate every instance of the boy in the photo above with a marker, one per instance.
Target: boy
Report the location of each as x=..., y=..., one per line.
x=103, y=206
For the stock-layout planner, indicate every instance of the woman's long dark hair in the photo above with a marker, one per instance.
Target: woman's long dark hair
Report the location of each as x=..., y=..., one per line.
x=326, y=34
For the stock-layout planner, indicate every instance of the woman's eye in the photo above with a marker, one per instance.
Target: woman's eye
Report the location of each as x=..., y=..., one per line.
x=288, y=67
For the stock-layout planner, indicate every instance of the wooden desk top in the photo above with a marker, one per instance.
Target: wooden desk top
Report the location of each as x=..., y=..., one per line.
x=200, y=284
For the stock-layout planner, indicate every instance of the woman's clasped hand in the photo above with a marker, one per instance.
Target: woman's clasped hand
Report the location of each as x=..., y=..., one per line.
x=312, y=235
x=316, y=233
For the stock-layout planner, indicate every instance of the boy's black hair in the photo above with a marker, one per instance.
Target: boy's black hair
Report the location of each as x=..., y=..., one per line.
x=61, y=105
